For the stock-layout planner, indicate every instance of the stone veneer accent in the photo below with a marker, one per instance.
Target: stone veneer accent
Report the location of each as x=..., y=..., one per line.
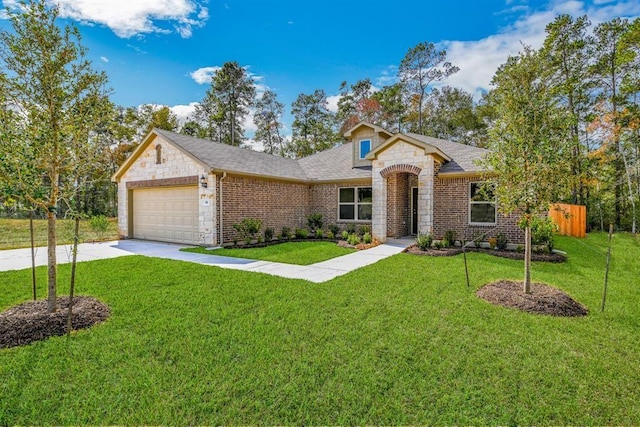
x=175, y=168
x=405, y=157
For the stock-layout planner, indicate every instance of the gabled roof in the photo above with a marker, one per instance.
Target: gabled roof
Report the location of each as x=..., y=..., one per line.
x=463, y=157
x=376, y=129
x=335, y=164
x=428, y=148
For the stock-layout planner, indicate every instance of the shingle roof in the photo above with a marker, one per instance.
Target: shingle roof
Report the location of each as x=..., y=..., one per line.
x=463, y=157
x=235, y=159
x=334, y=164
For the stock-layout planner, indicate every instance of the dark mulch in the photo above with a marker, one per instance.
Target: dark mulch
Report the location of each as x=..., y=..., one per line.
x=535, y=256
x=30, y=321
x=543, y=299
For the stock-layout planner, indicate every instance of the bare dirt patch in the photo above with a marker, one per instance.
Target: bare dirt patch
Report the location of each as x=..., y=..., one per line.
x=30, y=321
x=545, y=257
x=543, y=299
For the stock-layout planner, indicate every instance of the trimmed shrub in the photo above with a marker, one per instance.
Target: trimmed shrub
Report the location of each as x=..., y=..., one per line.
x=345, y=235
x=501, y=241
x=334, y=229
x=449, y=239
x=314, y=221
x=319, y=233
x=364, y=229
x=366, y=238
x=353, y=239
x=268, y=234
x=285, y=233
x=424, y=241
x=302, y=233
x=248, y=228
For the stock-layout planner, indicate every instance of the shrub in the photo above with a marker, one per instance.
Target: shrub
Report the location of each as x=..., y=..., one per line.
x=345, y=235
x=351, y=228
x=364, y=229
x=334, y=229
x=330, y=235
x=366, y=238
x=99, y=224
x=424, y=241
x=319, y=233
x=248, y=228
x=542, y=230
x=501, y=241
x=314, y=221
x=449, y=238
x=353, y=239
x=493, y=242
x=268, y=234
x=285, y=233
x=302, y=233
x=438, y=244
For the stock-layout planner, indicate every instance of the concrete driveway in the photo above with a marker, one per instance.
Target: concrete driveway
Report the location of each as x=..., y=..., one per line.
x=18, y=259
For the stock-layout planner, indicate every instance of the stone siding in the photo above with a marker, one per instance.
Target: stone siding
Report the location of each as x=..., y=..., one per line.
x=451, y=208
x=175, y=167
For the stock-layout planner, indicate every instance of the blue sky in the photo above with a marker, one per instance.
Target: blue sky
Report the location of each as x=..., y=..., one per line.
x=163, y=51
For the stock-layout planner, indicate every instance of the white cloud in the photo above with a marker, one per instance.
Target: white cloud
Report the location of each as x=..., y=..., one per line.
x=104, y=59
x=332, y=102
x=203, y=75
x=127, y=18
x=479, y=60
x=184, y=112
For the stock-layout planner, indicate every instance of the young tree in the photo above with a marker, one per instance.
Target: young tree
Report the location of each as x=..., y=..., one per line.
x=268, y=119
x=312, y=125
x=232, y=92
x=527, y=159
x=60, y=99
x=451, y=115
x=421, y=66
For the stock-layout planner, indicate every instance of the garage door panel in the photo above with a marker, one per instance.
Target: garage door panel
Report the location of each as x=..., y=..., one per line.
x=166, y=214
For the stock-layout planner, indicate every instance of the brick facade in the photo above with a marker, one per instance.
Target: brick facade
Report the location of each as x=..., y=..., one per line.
x=324, y=200
x=398, y=198
x=277, y=203
x=451, y=212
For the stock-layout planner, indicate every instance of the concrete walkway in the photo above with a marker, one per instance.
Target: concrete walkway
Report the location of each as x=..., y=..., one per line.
x=18, y=259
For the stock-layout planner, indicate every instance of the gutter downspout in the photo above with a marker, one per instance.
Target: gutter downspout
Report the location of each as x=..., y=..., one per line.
x=224, y=175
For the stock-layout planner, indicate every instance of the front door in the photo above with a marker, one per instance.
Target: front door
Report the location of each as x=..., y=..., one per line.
x=414, y=210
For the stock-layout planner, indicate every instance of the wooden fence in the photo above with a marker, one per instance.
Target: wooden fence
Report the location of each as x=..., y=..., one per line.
x=571, y=219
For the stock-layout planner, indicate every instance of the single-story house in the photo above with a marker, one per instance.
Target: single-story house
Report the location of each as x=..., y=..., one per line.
x=177, y=188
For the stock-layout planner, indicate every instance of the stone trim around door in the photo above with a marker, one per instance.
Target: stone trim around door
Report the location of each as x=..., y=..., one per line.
x=401, y=168
x=166, y=182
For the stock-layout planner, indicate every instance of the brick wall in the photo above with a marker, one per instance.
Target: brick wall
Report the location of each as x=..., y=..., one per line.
x=398, y=194
x=324, y=200
x=451, y=212
x=278, y=204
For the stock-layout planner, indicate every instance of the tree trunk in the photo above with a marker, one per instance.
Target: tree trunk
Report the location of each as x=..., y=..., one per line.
x=527, y=259
x=51, y=260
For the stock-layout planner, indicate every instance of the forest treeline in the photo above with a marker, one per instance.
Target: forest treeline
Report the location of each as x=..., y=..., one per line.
x=594, y=78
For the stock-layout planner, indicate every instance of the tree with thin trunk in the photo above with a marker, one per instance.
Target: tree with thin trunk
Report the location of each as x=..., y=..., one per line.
x=423, y=65
x=268, y=119
x=60, y=99
x=313, y=125
x=528, y=162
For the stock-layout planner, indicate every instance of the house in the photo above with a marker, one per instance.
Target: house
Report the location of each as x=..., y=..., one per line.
x=176, y=188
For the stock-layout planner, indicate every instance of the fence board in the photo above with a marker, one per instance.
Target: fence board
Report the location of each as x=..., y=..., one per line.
x=571, y=219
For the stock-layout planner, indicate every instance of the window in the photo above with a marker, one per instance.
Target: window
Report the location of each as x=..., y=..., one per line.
x=365, y=147
x=158, y=154
x=482, y=204
x=355, y=204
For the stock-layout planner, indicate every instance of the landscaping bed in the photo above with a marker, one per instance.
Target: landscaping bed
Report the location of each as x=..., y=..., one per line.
x=31, y=321
x=535, y=256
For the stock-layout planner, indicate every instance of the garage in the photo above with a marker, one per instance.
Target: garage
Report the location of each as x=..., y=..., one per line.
x=166, y=214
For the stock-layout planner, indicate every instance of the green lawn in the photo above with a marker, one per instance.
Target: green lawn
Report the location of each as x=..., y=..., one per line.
x=15, y=233
x=403, y=341
x=300, y=253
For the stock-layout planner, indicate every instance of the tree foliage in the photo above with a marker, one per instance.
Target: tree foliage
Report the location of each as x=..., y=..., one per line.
x=268, y=119
x=313, y=125
x=58, y=101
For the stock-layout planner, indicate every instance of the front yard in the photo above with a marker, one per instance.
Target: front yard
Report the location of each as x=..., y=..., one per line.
x=403, y=341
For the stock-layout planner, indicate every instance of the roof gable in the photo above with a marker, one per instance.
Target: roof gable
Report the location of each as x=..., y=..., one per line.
x=377, y=129
x=400, y=137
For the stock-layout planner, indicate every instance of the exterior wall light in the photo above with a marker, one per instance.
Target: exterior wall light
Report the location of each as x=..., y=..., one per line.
x=203, y=181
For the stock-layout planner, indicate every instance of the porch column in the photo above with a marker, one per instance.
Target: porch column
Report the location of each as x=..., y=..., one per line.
x=425, y=196
x=379, y=215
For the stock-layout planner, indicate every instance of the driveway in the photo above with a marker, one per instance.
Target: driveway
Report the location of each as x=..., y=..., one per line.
x=18, y=259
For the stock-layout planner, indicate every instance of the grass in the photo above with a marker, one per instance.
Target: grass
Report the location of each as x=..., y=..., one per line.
x=403, y=341
x=15, y=233
x=300, y=253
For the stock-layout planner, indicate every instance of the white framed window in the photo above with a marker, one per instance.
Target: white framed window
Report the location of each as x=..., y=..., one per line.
x=355, y=204
x=482, y=204
x=365, y=147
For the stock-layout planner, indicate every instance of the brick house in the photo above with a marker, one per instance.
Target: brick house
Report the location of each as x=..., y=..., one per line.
x=176, y=188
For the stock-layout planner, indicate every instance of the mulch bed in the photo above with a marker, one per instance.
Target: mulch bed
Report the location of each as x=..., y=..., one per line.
x=535, y=256
x=543, y=299
x=30, y=321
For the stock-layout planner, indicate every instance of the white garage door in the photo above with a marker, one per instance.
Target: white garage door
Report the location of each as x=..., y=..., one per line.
x=166, y=214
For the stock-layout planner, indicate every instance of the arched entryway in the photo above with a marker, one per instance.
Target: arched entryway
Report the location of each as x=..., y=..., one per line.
x=402, y=199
